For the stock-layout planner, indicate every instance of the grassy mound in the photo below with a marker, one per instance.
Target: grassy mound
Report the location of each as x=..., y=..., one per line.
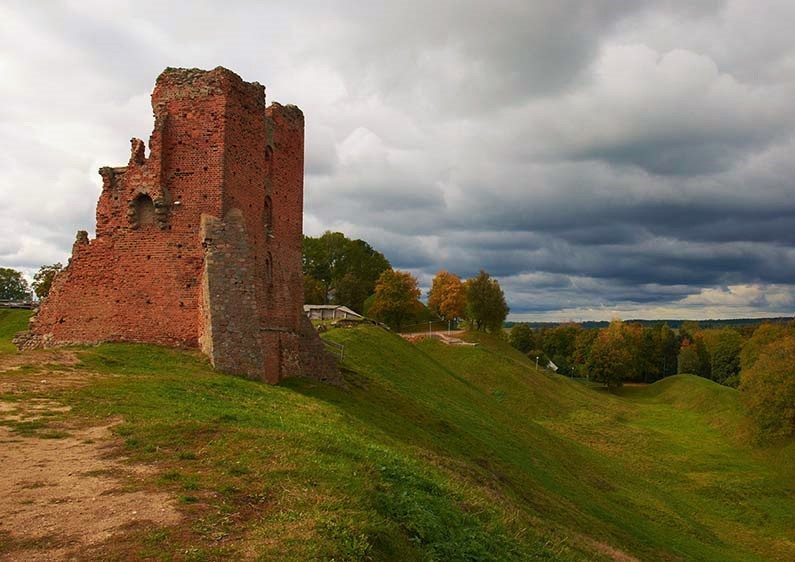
x=719, y=404
x=434, y=452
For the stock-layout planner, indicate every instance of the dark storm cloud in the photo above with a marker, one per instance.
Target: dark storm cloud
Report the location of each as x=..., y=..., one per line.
x=600, y=158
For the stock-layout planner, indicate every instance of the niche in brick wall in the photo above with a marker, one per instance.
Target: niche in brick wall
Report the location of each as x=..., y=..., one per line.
x=268, y=213
x=268, y=269
x=143, y=211
x=268, y=160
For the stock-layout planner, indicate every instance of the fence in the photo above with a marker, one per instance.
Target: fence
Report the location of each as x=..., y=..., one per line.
x=427, y=327
x=336, y=349
x=16, y=304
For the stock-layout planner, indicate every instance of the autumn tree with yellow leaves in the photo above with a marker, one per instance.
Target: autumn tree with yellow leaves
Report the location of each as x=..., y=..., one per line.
x=447, y=296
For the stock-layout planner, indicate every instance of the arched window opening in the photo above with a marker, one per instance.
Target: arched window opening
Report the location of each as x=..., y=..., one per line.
x=144, y=210
x=268, y=216
x=268, y=269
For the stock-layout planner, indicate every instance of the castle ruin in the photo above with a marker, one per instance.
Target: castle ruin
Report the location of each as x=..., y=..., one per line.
x=198, y=245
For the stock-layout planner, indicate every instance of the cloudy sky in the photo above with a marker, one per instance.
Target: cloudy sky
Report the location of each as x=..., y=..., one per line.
x=600, y=158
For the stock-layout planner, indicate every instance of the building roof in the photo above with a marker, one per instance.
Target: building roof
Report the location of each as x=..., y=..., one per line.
x=345, y=309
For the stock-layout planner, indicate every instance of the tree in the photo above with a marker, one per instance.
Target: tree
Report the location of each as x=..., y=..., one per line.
x=539, y=356
x=639, y=347
x=610, y=361
x=763, y=335
x=767, y=390
x=558, y=344
x=582, y=351
x=486, y=306
x=695, y=337
x=13, y=287
x=43, y=279
x=347, y=269
x=351, y=291
x=668, y=350
x=447, y=296
x=522, y=338
x=704, y=364
x=396, y=296
x=689, y=361
x=314, y=291
x=725, y=357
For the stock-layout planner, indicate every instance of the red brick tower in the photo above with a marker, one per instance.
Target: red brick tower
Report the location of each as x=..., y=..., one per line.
x=198, y=244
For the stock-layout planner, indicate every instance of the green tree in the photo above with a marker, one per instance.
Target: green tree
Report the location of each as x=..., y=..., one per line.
x=314, y=291
x=767, y=390
x=669, y=347
x=582, y=351
x=43, y=279
x=13, y=286
x=704, y=361
x=486, y=306
x=610, y=362
x=650, y=360
x=348, y=269
x=351, y=291
x=396, y=298
x=366, y=264
x=641, y=350
x=689, y=361
x=447, y=296
x=522, y=338
x=725, y=358
x=558, y=343
x=696, y=337
x=539, y=355
x=689, y=329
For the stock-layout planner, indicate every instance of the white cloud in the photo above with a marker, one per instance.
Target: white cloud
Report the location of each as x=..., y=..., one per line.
x=600, y=157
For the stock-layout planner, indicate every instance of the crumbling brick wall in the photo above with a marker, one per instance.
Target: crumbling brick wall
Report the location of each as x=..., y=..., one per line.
x=199, y=243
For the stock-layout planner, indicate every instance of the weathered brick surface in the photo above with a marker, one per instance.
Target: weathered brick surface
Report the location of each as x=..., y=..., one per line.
x=198, y=244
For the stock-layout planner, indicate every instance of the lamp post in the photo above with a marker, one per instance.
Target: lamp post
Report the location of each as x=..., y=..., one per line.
x=536, y=362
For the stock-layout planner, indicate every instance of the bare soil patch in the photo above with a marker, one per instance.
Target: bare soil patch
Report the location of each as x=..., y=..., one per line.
x=41, y=358
x=60, y=496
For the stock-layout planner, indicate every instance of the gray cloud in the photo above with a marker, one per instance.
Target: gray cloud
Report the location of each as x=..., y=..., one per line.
x=599, y=157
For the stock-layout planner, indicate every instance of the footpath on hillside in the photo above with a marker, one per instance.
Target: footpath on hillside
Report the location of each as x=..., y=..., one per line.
x=447, y=337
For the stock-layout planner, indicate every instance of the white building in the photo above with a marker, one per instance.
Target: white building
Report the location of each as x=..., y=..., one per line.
x=330, y=312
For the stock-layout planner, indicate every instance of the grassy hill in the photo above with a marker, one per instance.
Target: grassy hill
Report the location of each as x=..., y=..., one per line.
x=11, y=322
x=432, y=453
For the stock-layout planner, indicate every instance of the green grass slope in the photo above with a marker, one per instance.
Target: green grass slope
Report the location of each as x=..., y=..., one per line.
x=433, y=453
x=11, y=322
x=718, y=403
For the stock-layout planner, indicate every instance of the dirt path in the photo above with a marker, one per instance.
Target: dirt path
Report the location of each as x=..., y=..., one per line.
x=64, y=494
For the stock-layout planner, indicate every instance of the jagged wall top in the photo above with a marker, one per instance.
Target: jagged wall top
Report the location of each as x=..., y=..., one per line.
x=193, y=83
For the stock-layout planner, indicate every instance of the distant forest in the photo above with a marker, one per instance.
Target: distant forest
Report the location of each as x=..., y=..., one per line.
x=673, y=324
